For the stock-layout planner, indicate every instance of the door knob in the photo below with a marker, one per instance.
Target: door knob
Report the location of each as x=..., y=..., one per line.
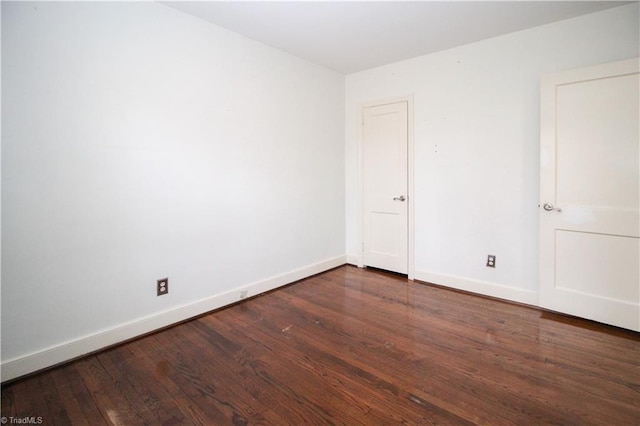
x=549, y=207
x=400, y=198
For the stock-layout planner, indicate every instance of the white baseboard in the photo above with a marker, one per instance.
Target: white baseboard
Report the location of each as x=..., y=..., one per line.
x=67, y=351
x=352, y=259
x=485, y=288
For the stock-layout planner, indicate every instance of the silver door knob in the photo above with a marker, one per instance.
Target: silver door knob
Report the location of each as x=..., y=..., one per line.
x=549, y=207
x=400, y=198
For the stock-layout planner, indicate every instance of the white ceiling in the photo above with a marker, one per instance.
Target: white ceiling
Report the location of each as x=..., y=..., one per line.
x=353, y=36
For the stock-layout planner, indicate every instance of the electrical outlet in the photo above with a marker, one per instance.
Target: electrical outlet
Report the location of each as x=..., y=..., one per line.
x=243, y=294
x=491, y=261
x=163, y=286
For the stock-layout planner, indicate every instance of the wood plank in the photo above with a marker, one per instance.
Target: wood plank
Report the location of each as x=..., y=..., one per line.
x=351, y=346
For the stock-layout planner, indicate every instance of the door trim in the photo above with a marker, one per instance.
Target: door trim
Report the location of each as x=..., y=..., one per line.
x=410, y=180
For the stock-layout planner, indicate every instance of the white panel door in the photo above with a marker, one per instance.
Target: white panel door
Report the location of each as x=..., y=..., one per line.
x=385, y=162
x=590, y=193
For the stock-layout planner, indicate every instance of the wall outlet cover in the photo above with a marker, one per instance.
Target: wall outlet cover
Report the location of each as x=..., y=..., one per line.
x=162, y=287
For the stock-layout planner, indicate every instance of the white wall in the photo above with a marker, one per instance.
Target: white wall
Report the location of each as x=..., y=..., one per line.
x=139, y=143
x=476, y=146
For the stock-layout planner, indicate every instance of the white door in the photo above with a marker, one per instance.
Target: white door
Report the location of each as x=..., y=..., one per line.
x=385, y=187
x=590, y=193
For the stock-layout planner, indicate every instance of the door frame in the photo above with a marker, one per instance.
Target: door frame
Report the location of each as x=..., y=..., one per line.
x=410, y=179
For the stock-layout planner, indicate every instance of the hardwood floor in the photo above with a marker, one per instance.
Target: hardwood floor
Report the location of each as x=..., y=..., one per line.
x=351, y=347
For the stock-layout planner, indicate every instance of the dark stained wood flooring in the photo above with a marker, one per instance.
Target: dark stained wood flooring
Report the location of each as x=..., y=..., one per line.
x=352, y=347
